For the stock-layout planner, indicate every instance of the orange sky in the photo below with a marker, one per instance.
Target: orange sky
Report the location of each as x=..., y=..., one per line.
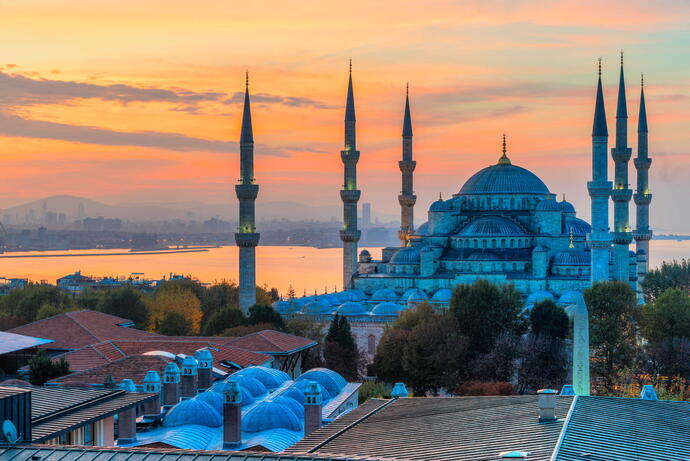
x=123, y=100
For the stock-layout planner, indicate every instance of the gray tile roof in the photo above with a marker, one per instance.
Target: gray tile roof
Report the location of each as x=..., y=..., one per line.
x=453, y=428
x=617, y=429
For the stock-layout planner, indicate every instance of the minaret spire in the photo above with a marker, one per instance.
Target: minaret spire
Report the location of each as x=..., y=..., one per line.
x=621, y=195
x=247, y=238
x=407, y=199
x=350, y=194
x=599, y=188
x=642, y=197
x=504, y=160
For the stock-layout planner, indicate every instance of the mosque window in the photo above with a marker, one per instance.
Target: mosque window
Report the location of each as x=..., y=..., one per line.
x=512, y=243
x=371, y=344
x=493, y=243
x=514, y=267
x=483, y=243
x=474, y=243
x=503, y=243
x=567, y=272
x=512, y=203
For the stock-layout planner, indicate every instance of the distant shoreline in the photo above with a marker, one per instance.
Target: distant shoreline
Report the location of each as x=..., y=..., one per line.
x=63, y=255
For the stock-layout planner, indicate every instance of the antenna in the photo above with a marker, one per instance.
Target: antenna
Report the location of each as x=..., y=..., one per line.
x=9, y=432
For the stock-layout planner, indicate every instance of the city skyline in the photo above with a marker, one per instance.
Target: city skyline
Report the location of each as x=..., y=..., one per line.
x=76, y=120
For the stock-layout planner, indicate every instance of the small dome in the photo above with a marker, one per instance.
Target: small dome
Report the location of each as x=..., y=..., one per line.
x=128, y=385
x=539, y=296
x=566, y=207
x=407, y=293
x=384, y=294
x=571, y=257
x=296, y=407
x=269, y=377
x=417, y=297
x=302, y=385
x=294, y=393
x=364, y=253
x=332, y=381
x=504, y=179
x=442, y=296
x=387, y=308
x=317, y=308
x=270, y=415
x=152, y=377
x=255, y=387
x=357, y=295
x=247, y=397
x=193, y=411
x=579, y=227
x=548, y=205
x=423, y=229
x=489, y=226
x=569, y=297
x=15, y=382
x=441, y=206
x=352, y=308
x=407, y=255
x=331, y=299
x=215, y=399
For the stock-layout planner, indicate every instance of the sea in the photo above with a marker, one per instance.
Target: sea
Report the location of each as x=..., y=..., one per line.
x=306, y=269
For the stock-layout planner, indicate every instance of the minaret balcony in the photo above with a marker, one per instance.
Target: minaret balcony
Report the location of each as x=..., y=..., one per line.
x=621, y=195
x=407, y=200
x=599, y=189
x=247, y=191
x=407, y=166
x=348, y=235
x=642, y=234
x=601, y=241
x=642, y=163
x=642, y=198
x=349, y=156
x=246, y=239
x=350, y=195
x=621, y=155
x=622, y=238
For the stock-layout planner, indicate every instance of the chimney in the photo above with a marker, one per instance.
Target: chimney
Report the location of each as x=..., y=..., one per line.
x=171, y=385
x=399, y=391
x=312, y=408
x=189, y=377
x=547, y=405
x=127, y=425
x=152, y=385
x=232, y=415
x=205, y=360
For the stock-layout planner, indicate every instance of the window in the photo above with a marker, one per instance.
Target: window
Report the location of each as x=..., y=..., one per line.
x=503, y=243
x=483, y=243
x=371, y=345
x=512, y=243
x=493, y=243
x=88, y=435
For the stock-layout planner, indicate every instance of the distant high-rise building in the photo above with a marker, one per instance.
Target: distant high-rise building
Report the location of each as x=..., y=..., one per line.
x=81, y=214
x=366, y=214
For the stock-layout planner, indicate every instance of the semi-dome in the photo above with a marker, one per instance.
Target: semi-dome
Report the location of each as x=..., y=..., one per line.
x=579, y=227
x=442, y=296
x=193, y=411
x=566, y=207
x=269, y=377
x=504, y=179
x=406, y=255
x=255, y=387
x=215, y=399
x=571, y=257
x=296, y=407
x=491, y=226
x=317, y=308
x=270, y=415
x=423, y=229
x=387, y=308
x=331, y=380
x=441, y=206
x=352, y=308
x=548, y=205
x=384, y=294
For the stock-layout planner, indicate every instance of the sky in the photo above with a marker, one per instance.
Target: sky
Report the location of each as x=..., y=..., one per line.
x=128, y=101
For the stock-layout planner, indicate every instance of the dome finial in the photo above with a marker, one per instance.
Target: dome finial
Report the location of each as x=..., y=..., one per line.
x=563, y=197
x=246, y=79
x=621, y=57
x=504, y=160
x=599, y=67
x=350, y=66
x=642, y=79
x=440, y=197
x=570, y=245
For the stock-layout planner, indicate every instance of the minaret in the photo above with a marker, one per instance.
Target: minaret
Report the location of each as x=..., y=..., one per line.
x=599, y=190
x=350, y=194
x=642, y=196
x=247, y=238
x=622, y=236
x=407, y=198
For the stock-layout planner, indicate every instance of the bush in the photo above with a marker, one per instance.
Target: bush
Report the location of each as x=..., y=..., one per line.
x=486, y=388
x=222, y=319
x=373, y=390
x=42, y=369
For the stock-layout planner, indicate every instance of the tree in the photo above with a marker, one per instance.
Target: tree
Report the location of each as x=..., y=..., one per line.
x=484, y=310
x=266, y=296
x=89, y=299
x=672, y=274
x=313, y=357
x=222, y=319
x=546, y=318
x=499, y=363
x=340, y=351
x=219, y=296
x=43, y=369
x=25, y=302
x=125, y=302
x=174, y=324
x=265, y=314
x=388, y=363
x=667, y=317
x=175, y=299
x=49, y=310
x=612, y=311
x=244, y=330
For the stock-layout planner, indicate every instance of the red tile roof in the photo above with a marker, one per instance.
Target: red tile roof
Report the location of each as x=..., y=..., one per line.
x=272, y=342
x=133, y=367
x=74, y=330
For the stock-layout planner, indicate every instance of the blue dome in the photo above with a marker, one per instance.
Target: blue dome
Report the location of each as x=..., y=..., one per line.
x=357, y=295
x=539, y=296
x=255, y=387
x=330, y=299
x=569, y=297
x=345, y=296
x=490, y=226
x=286, y=307
x=384, y=294
x=332, y=381
x=215, y=399
x=193, y=411
x=407, y=255
x=571, y=257
x=296, y=407
x=440, y=205
x=352, y=308
x=548, y=205
x=579, y=227
x=504, y=179
x=294, y=393
x=302, y=385
x=317, y=308
x=417, y=296
x=269, y=377
x=270, y=415
x=387, y=308
x=247, y=397
x=566, y=207
x=442, y=296
x=423, y=229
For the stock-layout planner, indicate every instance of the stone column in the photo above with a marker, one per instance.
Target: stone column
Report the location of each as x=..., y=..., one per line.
x=205, y=360
x=171, y=385
x=189, y=377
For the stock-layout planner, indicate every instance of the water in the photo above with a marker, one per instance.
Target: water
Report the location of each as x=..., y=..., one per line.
x=304, y=268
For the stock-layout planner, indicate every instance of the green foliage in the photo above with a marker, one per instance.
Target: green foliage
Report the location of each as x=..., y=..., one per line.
x=672, y=274
x=178, y=285
x=125, y=302
x=612, y=311
x=43, y=369
x=265, y=314
x=89, y=299
x=222, y=319
x=25, y=302
x=219, y=296
x=373, y=390
x=549, y=319
x=484, y=310
x=313, y=357
x=174, y=324
x=244, y=330
x=340, y=351
x=49, y=310
x=667, y=317
x=544, y=363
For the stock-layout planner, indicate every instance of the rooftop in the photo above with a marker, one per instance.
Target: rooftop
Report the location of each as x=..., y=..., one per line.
x=272, y=342
x=133, y=367
x=12, y=342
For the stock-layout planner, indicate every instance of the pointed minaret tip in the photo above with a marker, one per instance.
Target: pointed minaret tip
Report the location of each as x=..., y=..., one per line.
x=622, y=109
x=600, y=128
x=504, y=160
x=407, y=120
x=350, y=104
x=642, y=119
x=247, y=134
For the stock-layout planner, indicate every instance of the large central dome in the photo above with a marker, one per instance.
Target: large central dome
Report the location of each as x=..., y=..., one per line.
x=504, y=178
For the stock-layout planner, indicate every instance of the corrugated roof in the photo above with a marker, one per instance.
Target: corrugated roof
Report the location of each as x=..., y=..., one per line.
x=452, y=428
x=11, y=342
x=617, y=429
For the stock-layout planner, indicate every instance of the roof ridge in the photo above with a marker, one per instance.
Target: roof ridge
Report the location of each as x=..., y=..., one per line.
x=82, y=326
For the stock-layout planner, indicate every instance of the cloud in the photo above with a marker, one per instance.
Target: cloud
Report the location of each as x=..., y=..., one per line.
x=290, y=101
x=489, y=93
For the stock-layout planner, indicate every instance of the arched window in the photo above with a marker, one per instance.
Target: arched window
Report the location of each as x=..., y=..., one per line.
x=483, y=243
x=493, y=243
x=474, y=243
x=512, y=243
x=503, y=243
x=512, y=203
x=371, y=345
